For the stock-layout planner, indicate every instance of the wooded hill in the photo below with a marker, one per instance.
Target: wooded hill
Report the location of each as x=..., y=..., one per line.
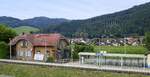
x=133, y=21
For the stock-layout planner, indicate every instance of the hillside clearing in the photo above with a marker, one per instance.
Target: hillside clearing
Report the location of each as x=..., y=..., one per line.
x=25, y=29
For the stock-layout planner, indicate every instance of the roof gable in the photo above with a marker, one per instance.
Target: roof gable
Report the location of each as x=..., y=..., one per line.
x=40, y=39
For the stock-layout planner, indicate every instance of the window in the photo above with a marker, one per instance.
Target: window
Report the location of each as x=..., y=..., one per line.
x=48, y=52
x=38, y=52
x=20, y=53
x=24, y=43
x=28, y=53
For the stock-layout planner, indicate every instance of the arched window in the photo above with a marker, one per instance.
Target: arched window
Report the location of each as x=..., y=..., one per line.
x=24, y=43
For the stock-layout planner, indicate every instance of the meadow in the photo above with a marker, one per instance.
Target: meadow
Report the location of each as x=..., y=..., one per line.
x=25, y=29
x=18, y=70
x=121, y=49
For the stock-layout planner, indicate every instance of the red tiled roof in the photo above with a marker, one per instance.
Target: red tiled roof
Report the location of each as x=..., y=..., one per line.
x=39, y=39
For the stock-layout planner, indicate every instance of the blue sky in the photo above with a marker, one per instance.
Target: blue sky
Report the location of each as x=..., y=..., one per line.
x=70, y=9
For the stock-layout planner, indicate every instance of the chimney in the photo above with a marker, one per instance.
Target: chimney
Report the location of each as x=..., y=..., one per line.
x=23, y=33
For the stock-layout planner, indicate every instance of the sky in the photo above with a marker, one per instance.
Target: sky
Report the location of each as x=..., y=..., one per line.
x=69, y=9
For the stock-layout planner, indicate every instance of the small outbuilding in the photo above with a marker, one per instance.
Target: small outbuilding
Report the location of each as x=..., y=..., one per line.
x=148, y=59
x=111, y=59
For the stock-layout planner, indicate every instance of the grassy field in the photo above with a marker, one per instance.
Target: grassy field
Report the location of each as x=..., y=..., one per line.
x=25, y=29
x=121, y=49
x=45, y=71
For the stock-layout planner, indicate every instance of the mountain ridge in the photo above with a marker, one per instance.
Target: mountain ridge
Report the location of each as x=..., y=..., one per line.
x=35, y=22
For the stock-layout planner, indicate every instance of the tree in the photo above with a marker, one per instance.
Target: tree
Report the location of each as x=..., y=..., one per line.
x=6, y=33
x=81, y=48
x=3, y=50
x=147, y=40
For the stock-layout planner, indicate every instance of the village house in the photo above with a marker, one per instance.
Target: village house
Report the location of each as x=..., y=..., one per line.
x=40, y=47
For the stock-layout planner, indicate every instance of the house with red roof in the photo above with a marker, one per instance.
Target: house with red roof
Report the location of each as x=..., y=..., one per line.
x=39, y=47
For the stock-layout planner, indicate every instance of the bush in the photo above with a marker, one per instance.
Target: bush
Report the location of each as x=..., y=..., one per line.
x=3, y=50
x=75, y=55
x=81, y=48
x=50, y=59
x=84, y=48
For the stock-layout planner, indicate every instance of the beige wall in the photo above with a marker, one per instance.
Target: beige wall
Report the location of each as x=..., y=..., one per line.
x=52, y=50
x=22, y=52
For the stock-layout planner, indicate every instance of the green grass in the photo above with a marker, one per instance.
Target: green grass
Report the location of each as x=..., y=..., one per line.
x=45, y=71
x=121, y=49
x=25, y=29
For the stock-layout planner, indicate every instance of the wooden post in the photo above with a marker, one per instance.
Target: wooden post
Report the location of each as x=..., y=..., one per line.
x=79, y=59
x=82, y=60
x=105, y=60
x=121, y=61
x=97, y=60
x=138, y=62
x=144, y=62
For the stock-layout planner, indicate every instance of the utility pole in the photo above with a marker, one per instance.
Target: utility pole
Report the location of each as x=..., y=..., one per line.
x=99, y=41
x=125, y=44
x=72, y=50
x=45, y=49
x=10, y=56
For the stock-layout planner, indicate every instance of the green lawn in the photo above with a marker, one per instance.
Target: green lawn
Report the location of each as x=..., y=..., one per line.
x=25, y=29
x=45, y=71
x=121, y=49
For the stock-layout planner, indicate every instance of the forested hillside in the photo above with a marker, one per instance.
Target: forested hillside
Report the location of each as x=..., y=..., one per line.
x=133, y=21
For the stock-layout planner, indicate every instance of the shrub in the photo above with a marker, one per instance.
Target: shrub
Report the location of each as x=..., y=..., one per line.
x=81, y=48
x=3, y=50
x=50, y=59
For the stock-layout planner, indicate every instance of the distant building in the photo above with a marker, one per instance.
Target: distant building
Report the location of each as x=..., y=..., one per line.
x=79, y=40
x=39, y=47
x=131, y=41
